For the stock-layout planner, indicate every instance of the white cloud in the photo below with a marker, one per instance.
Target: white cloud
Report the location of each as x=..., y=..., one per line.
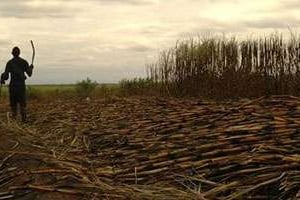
x=113, y=39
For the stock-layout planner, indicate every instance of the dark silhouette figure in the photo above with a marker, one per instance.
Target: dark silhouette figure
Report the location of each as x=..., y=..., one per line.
x=16, y=68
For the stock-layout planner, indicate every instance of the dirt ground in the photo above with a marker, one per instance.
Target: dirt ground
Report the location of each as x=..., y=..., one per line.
x=152, y=148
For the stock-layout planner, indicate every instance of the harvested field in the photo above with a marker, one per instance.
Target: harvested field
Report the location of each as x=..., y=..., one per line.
x=148, y=148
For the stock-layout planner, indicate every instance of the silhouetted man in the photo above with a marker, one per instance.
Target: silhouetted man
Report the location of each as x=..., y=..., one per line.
x=16, y=68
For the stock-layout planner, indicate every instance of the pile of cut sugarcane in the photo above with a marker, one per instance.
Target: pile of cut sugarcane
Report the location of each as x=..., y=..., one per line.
x=153, y=148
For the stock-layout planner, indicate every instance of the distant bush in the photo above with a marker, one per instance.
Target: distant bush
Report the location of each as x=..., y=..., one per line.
x=105, y=90
x=85, y=88
x=137, y=86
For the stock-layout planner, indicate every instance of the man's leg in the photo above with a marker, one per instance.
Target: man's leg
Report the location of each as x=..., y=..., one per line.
x=22, y=101
x=13, y=101
x=23, y=113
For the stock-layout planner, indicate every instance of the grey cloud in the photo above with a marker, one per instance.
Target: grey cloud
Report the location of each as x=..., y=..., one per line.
x=128, y=48
x=131, y=2
x=23, y=9
x=153, y=30
x=208, y=26
x=272, y=23
x=210, y=31
x=4, y=42
x=222, y=1
x=290, y=4
x=139, y=48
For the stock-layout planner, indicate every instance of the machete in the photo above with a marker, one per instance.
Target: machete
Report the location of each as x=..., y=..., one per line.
x=33, y=52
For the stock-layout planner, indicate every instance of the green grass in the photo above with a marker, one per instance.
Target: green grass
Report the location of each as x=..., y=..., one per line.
x=53, y=87
x=62, y=90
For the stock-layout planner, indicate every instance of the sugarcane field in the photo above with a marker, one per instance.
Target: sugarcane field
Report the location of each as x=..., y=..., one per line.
x=166, y=136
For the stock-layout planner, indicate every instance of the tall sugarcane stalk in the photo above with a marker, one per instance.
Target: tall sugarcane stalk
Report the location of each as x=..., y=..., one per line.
x=226, y=68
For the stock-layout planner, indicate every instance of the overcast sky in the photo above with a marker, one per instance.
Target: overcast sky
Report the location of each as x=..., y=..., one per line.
x=108, y=40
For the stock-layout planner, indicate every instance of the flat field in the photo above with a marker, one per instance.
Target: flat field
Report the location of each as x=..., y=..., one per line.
x=152, y=148
x=58, y=90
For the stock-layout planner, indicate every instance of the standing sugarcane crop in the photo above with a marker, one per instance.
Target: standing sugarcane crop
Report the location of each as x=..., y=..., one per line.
x=16, y=68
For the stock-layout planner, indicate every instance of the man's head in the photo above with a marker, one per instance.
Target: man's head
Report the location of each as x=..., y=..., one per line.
x=16, y=51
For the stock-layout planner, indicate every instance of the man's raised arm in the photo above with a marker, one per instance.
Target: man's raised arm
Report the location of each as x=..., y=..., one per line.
x=29, y=69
